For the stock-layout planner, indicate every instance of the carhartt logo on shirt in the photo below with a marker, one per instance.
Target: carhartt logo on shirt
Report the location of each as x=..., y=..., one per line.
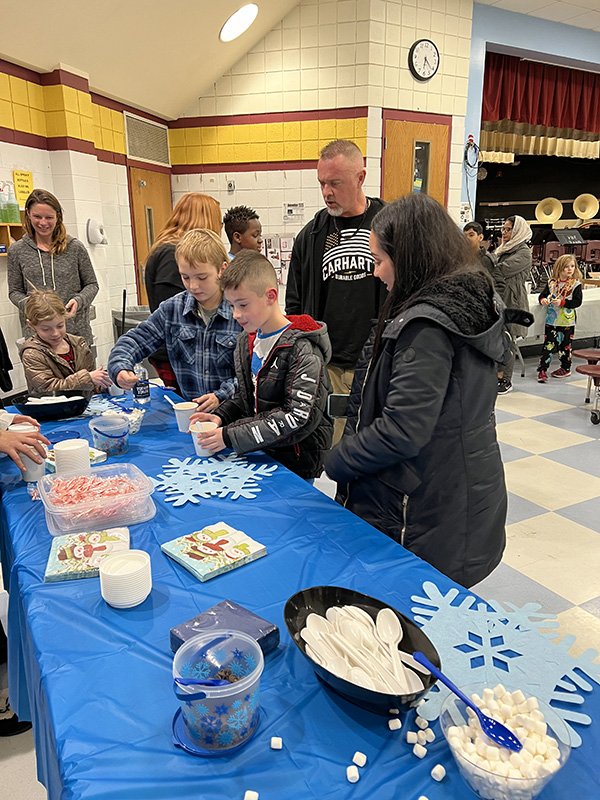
x=351, y=260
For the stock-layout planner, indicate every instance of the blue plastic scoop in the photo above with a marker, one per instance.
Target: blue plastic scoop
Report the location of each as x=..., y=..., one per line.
x=497, y=732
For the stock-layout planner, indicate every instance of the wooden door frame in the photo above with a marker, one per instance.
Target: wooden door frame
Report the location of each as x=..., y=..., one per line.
x=416, y=116
x=132, y=162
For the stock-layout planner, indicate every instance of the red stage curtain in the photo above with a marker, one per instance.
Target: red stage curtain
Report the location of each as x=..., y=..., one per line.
x=540, y=94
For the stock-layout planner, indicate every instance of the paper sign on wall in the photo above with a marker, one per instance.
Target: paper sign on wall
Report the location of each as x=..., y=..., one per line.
x=23, y=181
x=293, y=212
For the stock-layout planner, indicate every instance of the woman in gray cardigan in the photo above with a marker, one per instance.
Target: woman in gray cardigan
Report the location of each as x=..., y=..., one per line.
x=46, y=257
x=514, y=260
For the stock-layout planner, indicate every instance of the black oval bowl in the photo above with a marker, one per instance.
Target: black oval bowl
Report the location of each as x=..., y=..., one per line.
x=44, y=413
x=317, y=600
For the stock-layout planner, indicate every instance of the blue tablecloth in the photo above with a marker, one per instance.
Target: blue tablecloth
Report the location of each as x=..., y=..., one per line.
x=97, y=681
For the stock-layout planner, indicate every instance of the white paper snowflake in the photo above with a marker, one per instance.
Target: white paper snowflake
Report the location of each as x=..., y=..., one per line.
x=492, y=643
x=219, y=476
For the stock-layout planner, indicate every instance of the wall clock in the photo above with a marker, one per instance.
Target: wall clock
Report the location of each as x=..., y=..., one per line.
x=424, y=59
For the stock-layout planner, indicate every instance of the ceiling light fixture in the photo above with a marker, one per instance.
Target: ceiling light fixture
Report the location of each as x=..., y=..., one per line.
x=239, y=22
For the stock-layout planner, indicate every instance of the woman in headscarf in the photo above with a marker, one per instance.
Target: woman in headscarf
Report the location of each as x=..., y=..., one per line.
x=514, y=260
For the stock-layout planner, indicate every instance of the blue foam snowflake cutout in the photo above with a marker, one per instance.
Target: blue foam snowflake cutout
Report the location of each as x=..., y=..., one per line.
x=492, y=643
x=187, y=480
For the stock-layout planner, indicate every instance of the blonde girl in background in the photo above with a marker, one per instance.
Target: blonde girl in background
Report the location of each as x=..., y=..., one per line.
x=46, y=257
x=53, y=359
x=561, y=296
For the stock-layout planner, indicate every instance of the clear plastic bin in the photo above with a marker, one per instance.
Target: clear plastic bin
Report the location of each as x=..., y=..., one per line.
x=91, y=513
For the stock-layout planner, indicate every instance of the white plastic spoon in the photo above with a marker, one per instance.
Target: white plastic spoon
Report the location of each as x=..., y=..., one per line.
x=390, y=632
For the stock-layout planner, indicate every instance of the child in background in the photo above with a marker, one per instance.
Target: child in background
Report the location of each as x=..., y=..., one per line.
x=196, y=326
x=243, y=230
x=283, y=385
x=54, y=360
x=561, y=297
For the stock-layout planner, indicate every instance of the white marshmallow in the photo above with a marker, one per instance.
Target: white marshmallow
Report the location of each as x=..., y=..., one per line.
x=540, y=728
x=454, y=730
x=455, y=743
x=394, y=724
x=421, y=723
x=421, y=738
x=553, y=753
x=429, y=735
x=516, y=759
x=532, y=703
x=422, y=797
x=469, y=748
x=477, y=700
x=359, y=759
x=420, y=751
x=438, y=773
x=499, y=691
x=352, y=774
x=488, y=695
x=411, y=737
x=394, y=711
x=541, y=748
x=506, y=710
x=518, y=697
x=492, y=754
x=276, y=743
x=251, y=795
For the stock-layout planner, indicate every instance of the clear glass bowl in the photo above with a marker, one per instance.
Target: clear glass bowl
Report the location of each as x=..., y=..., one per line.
x=489, y=785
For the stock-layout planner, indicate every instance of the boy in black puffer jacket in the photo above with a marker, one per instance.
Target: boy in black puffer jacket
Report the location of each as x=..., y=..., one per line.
x=280, y=365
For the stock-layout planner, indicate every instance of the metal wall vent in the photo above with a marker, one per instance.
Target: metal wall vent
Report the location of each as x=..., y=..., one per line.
x=146, y=141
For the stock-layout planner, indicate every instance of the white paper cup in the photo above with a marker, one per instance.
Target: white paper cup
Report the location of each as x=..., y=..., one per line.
x=115, y=390
x=33, y=472
x=23, y=427
x=201, y=427
x=72, y=455
x=183, y=412
x=126, y=578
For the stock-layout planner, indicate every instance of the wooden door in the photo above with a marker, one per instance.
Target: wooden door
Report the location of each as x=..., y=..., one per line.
x=416, y=158
x=151, y=207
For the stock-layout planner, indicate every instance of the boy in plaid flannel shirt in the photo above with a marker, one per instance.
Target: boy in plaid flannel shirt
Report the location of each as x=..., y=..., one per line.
x=196, y=325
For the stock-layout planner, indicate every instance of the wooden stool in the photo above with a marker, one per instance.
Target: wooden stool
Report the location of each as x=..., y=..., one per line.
x=593, y=373
x=592, y=357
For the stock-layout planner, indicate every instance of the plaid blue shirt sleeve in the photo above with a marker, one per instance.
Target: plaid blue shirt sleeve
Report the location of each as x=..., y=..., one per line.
x=201, y=355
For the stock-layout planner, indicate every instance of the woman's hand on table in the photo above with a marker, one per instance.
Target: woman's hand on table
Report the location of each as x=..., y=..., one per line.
x=100, y=377
x=71, y=308
x=208, y=402
x=127, y=379
x=22, y=418
x=14, y=442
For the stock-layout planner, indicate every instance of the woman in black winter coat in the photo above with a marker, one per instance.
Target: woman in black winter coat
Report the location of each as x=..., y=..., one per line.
x=419, y=459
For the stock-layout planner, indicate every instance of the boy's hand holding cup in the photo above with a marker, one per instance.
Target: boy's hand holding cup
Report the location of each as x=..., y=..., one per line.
x=208, y=402
x=207, y=442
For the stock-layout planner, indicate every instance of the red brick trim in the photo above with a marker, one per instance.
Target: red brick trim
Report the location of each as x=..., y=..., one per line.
x=279, y=116
x=19, y=72
x=107, y=102
x=131, y=162
x=60, y=77
x=30, y=140
x=265, y=166
x=417, y=116
x=70, y=143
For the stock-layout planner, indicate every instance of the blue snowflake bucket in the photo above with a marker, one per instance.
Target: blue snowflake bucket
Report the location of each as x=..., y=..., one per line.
x=219, y=718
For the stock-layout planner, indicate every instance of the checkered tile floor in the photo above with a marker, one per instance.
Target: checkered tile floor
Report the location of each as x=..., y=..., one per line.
x=551, y=453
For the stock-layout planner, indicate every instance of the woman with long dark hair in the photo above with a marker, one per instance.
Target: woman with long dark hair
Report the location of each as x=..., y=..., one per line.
x=419, y=459
x=46, y=257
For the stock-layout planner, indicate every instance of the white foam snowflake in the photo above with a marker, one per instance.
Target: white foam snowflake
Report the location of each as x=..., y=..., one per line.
x=492, y=643
x=222, y=475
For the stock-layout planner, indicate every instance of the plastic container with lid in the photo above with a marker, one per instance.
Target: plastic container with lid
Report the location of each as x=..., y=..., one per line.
x=108, y=496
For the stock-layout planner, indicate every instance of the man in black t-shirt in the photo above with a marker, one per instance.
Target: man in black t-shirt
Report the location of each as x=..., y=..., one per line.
x=331, y=268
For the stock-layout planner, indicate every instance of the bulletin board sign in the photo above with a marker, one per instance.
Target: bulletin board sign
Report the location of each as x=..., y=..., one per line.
x=23, y=186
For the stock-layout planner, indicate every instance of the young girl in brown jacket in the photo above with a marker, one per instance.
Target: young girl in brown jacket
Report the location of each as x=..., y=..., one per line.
x=53, y=359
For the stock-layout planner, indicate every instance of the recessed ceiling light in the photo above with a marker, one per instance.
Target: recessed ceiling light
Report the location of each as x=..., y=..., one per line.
x=238, y=22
